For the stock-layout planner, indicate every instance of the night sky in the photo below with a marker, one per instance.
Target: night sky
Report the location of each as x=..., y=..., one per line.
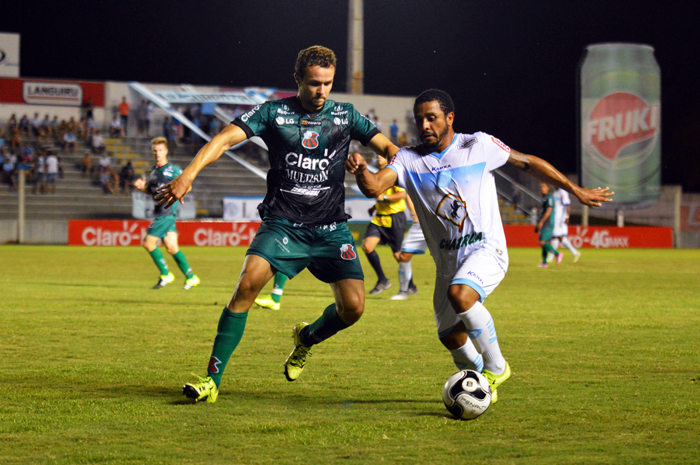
x=510, y=66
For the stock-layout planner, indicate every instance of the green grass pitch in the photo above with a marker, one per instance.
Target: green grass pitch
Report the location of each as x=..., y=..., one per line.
x=605, y=356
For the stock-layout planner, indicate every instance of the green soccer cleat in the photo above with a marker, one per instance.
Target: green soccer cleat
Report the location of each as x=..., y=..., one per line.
x=496, y=380
x=267, y=302
x=205, y=389
x=190, y=283
x=577, y=257
x=294, y=364
x=164, y=280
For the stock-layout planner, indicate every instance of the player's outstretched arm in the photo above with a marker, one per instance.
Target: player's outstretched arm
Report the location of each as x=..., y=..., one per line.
x=177, y=188
x=543, y=171
x=371, y=184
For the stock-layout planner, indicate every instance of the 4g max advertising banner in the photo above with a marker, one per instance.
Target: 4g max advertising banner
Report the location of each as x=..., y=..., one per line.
x=131, y=232
x=598, y=237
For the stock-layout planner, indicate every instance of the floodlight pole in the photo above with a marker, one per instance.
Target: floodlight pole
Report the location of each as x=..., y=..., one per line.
x=355, y=81
x=21, y=175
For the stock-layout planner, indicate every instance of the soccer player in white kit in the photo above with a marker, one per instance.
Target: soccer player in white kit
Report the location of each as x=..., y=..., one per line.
x=449, y=178
x=562, y=210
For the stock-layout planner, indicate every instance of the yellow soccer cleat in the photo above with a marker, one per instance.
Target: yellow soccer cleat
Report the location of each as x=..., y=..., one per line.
x=164, y=280
x=205, y=389
x=267, y=302
x=296, y=361
x=190, y=283
x=496, y=380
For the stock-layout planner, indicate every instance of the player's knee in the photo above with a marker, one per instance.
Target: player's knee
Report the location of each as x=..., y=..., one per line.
x=351, y=308
x=462, y=297
x=366, y=248
x=403, y=257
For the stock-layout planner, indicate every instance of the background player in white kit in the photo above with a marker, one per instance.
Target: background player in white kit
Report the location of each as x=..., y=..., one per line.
x=449, y=178
x=562, y=210
x=413, y=243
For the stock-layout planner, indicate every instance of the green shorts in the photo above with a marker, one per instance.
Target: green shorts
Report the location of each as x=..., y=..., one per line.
x=546, y=234
x=328, y=251
x=161, y=226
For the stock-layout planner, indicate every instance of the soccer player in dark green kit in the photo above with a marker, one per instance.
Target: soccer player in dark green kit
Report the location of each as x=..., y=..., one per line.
x=163, y=225
x=545, y=226
x=304, y=220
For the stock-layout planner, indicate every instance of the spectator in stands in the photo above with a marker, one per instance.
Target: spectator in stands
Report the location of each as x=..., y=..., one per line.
x=3, y=135
x=72, y=125
x=394, y=132
x=24, y=125
x=97, y=142
x=36, y=124
x=45, y=128
x=15, y=140
x=89, y=109
x=52, y=169
x=105, y=160
x=106, y=180
x=166, y=127
x=174, y=135
x=9, y=172
x=126, y=178
x=11, y=123
x=40, y=174
x=124, y=115
x=115, y=127
x=149, y=116
x=86, y=163
x=82, y=129
x=55, y=125
x=92, y=127
x=142, y=118
x=69, y=141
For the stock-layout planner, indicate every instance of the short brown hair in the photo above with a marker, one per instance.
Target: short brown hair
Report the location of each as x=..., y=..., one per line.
x=159, y=140
x=314, y=56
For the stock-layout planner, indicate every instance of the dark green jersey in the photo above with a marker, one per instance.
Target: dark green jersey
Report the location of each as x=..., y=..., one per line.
x=158, y=177
x=547, y=202
x=307, y=154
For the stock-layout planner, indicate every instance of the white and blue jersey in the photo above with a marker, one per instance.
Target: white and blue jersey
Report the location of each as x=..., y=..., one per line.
x=561, y=204
x=455, y=197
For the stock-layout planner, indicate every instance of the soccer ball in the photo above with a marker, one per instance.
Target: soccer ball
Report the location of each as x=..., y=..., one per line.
x=467, y=394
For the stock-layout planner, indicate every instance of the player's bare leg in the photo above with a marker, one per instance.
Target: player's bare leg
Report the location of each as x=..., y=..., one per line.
x=482, y=332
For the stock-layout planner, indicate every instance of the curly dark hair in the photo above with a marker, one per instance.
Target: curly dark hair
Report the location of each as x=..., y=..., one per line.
x=314, y=56
x=442, y=97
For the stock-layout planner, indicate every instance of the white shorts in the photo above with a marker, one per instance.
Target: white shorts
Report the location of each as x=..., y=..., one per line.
x=482, y=271
x=560, y=230
x=414, y=241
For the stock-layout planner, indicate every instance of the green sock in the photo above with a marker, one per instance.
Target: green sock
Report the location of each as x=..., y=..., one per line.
x=547, y=249
x=326, y=326
x=228, y=335
x=278, y=288
x=181, y=261
x=159, y=260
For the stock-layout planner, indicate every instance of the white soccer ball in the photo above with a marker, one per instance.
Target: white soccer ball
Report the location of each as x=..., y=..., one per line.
x=467, y=394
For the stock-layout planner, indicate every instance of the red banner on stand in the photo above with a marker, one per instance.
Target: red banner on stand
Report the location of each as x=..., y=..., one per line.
x=230, y=233
x=598, y=237
x=132, y=232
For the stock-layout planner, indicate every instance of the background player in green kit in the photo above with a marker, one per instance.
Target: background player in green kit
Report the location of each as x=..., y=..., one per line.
x=163, y=225
x=545, y=226
x=304, y=220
